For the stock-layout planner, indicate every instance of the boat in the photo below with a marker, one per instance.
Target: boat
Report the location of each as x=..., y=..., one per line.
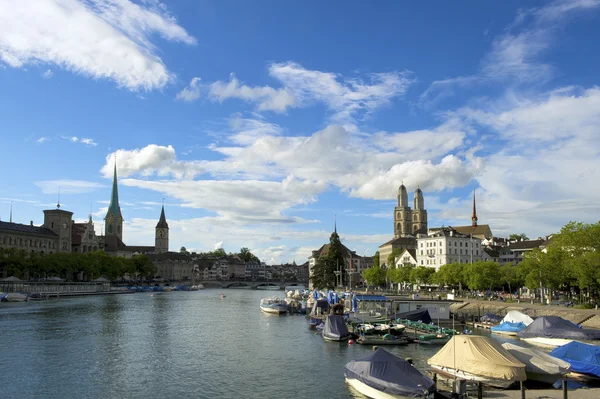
x=554, y=331
x=294, y=288
x=478, y=359
x=381, y=375
x=319, y=312
x=335, y=329
x=273, y=305
x=421, y=315
x=514, y=316
x=13, y=297
x=584, y=359
x=539, y=366
x=433, y=339
x=508, y=328
x=387, y=339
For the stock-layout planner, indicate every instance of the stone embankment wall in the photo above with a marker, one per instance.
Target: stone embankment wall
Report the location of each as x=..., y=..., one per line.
x=469, y=309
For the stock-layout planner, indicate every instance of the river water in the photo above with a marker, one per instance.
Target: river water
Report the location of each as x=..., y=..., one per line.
x=173, y=345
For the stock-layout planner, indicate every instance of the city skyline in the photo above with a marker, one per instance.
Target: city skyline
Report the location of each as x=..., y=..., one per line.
x=257, y=128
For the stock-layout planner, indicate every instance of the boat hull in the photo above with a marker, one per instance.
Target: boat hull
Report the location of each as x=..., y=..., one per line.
x=506, y=333
x=378, y=342
x=273, y=310
x=451, y=373
x=371, y=392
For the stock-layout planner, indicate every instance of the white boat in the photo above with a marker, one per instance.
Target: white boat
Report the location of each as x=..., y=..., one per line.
x=271, y=287
x=274, y=305
x=539, y=365
x=14, y=297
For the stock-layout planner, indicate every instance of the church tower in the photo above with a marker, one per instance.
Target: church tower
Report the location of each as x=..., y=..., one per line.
x=114, y=218
x=474, y=216
x=402, y=214
x=161, y=235
x=419, y=214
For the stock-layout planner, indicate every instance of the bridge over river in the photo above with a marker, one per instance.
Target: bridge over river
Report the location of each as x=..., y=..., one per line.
x=250, y=284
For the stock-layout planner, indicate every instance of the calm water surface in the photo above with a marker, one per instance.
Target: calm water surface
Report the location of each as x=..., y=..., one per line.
x=177, y=344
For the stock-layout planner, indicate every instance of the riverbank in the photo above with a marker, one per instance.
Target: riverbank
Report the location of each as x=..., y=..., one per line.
x=588, y=318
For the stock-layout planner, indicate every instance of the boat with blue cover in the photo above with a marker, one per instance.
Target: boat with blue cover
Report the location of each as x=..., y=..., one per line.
x=335, y=329
x=584, y=358
x=508, y=328
x=381, y=375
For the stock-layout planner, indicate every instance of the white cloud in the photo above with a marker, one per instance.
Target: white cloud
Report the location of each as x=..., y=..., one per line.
x=347, y=98
x=47, y=74
x=148, y=160
x=83, y=140
x=190, y=93
x=67, y=186
x=43, y=140
x=98, y=39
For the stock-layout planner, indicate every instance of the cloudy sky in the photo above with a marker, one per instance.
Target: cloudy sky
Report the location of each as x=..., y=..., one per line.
x=258, y=124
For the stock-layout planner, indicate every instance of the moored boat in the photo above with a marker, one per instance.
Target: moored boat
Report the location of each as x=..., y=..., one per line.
x=508, y=328
x=478, y=359
x=433, y=339
x=554, y=331
x=335, y=329
x=539, y=365
x=387, y=339
x=274, y=305
x=381, y=375
x=13, y=297
x=584, y=359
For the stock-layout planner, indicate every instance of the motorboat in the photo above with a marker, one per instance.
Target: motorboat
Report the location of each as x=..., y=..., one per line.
x=539, y=365
x=381, y=375
x=584, y=359
x=554, y=331
x=335, y=329
x=319, y=311
x=274, y=305
x=13, y=297
x=478, y=359
x=387, y=339
x=433, y=339
x=508, y=328
x=514, y=316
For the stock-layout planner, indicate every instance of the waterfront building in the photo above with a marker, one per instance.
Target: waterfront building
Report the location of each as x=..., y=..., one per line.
x=174, y=265
x=408, y=257
x=446, y=245
x=84, y=239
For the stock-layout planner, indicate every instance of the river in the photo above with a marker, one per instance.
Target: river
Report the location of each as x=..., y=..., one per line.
x=173, y=345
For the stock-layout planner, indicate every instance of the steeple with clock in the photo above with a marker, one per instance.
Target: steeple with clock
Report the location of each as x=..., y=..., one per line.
x=161, y=238
x=114, y=218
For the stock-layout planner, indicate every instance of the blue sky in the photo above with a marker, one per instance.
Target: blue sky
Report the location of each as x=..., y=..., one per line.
x=258, y=122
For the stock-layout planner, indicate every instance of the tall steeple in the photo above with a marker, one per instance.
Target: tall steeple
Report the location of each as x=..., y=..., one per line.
x=474, y=216
x=161, y=235
x=114, y=218
x=162, y=222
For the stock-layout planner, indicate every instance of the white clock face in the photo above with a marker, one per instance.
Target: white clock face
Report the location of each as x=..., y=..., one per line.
x=65, y=225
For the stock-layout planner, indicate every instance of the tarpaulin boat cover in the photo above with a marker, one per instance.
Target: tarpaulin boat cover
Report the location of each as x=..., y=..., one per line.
x=481, y=356
x=514, y=316
x=335, y=327
x=507, y=326
x=421, y=315
x=584, y=358
x=537, y=361
x=557, y=327
x=388, y=373
x=490, y=318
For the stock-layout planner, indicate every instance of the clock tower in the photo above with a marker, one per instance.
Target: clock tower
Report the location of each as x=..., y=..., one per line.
x=114, y=218
x=161, y=237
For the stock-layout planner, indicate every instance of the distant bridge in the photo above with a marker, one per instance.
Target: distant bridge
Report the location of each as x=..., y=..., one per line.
x=248, y=284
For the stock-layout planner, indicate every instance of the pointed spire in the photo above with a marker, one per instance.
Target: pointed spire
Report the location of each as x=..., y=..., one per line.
x=162, y=222
x=474, y=216
x=114, y=197
x=335, y=224
x=11, y=211
x=58, y=203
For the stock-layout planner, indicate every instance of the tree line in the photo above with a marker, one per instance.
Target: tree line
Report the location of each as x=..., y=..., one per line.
x=73, y=266
x=570, y=263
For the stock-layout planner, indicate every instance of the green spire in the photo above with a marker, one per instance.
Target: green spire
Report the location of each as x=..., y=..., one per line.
x=162, y=222
x=114, y=197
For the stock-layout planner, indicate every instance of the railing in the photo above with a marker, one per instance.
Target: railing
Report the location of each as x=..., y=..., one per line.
x=51, y=287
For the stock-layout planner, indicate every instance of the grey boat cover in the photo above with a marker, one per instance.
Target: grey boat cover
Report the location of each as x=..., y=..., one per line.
x=537, y=361
x=557, y=327
x=421, y=315
x=388, y=373
x=335, y=328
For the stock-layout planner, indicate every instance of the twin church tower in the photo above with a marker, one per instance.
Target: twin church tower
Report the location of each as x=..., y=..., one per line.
x=409, y=221
x=114, y=221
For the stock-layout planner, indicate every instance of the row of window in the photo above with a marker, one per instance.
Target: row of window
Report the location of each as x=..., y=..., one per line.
x=432, y=252
x=26, y=242
x=441, y=244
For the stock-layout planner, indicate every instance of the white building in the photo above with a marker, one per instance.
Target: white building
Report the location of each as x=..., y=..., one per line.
x=408, y=257
x=445, y=245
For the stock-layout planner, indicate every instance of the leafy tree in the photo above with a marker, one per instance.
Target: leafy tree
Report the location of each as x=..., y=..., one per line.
x=483, y=275
x=376, y=259
x=422, y=275
x=391, y=259
x=451, y=274
x=248, y=256
x=518, y=237
x=374, y=276
x=400, y=274
x=510, y=275
x=143, y=266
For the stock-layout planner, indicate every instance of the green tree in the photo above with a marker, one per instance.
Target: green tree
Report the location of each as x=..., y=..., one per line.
x=510, y=275
x=374, y=276
x=451, y=275
x=400, y=274
x=248, y=256
x=518, y=237
x=376, y=259
x=422, y=275
x=483, y=275
x=143, y=266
